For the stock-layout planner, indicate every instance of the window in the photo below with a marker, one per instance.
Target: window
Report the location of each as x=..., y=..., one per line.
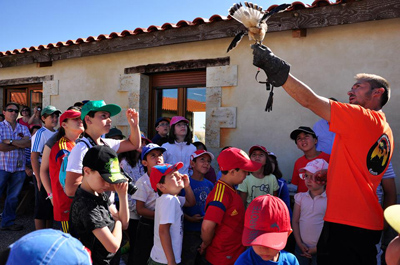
x=27, y=95
x=182, y=94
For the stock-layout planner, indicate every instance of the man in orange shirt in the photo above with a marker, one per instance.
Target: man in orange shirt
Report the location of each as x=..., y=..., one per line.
x=361, y=153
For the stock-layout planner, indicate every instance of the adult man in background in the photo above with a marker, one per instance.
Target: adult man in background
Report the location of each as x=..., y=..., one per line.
x=361, y=153
x=14, y=138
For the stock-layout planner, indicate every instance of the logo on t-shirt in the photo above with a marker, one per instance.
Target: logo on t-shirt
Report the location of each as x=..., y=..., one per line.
x=378, y=155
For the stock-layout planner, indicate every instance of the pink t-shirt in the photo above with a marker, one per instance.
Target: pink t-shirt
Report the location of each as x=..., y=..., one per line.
x=312, y=212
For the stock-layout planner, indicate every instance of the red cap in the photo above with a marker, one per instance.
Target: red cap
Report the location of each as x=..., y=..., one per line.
x=266, y=223
x=69, y=114
x=177, y=119
x=200, y=153
x=258, y=147
x=157, y=172
x=232, y=158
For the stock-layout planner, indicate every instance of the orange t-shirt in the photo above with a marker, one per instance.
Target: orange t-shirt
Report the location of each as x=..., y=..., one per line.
x=360, y=155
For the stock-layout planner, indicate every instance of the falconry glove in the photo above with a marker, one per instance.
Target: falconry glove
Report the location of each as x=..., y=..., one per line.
x=276, y=69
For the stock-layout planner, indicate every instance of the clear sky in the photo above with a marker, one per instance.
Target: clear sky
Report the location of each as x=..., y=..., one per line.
x=26, y=23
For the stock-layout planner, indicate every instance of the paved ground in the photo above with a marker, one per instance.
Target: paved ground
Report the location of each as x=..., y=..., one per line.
x=25, y=218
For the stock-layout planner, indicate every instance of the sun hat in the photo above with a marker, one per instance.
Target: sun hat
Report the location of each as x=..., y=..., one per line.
x=69, y=114
x=157, y=172
x=304, y=129
x=232, y=158
x=48, y=246
x=198, y=153
x=266, y=223
x=49, y=110
x=104, y=160
x=150, y=147
x=99, y=105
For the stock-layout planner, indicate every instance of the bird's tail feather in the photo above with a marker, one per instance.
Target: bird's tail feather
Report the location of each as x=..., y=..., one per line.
x=277, y=9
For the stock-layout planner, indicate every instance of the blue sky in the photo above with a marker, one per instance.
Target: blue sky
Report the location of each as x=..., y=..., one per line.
x=26, y=23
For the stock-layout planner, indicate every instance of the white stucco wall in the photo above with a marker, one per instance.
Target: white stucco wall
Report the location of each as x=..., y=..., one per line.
x=327, y=60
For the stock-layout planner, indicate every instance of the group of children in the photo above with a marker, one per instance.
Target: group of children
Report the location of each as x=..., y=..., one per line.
x=172, y=217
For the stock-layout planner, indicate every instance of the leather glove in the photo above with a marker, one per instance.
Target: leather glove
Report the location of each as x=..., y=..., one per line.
x=277, y=70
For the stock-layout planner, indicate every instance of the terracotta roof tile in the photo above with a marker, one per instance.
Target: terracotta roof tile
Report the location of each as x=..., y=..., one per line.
x=166, y=26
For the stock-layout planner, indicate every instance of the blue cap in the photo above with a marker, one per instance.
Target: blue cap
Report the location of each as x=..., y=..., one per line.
x=48, y=246
x=150, y=147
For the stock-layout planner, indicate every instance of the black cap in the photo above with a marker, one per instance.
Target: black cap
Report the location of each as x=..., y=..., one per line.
x=304, y=129
x=162, y=119
x=104, y=160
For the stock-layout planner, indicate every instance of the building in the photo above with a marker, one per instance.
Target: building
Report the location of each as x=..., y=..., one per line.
x=326, y=45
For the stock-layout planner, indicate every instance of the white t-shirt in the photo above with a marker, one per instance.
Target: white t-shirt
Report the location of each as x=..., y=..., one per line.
x=77, y=154
x=168, y=211
x=39, y=140
x=145, y=192
x=179, y=152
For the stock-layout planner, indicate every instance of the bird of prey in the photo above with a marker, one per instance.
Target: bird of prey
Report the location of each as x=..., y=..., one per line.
x=254, y=19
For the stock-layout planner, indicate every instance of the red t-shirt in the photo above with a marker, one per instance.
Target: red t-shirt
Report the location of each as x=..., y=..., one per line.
x=360, y=155
x=300, y=163
x=61, y=202
x=225, y=207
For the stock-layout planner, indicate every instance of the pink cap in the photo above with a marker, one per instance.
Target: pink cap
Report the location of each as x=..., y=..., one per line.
x=315, y=165
x=200, y=153
x=177, y=119
x=266, y=223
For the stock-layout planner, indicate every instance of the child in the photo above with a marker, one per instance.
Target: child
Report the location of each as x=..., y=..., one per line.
x=168, y=234
x=162, y=128
x=99, y=224
x=43, y=208
x=96, y=116
x=200, y=162
x=308, y=214
x=266, y=229
x=71, y=128
x=283, y=192
x=179, y=146
x=260, y=182
x=306, y=140
x=211, y=176
x=145, y=197
x=223, y=222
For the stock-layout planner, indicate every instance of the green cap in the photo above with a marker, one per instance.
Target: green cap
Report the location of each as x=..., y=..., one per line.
x=99, y=105
x=50, y=110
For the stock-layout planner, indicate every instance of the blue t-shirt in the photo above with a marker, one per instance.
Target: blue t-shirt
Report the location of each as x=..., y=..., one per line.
x=249, y=257
x=201, y=189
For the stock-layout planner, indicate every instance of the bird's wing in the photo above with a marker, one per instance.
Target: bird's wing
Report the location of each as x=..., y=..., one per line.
x=249, y=15
x=277, y=9
x=235, y=41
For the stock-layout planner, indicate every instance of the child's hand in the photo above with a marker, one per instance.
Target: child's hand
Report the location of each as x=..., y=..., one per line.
x=121, y=189
x=321, y=176
x=304, y=249
x=186, y=181
x=202, y=248
x=133, y=117
x=196, y=218
x=312, y=251
x=114, y=212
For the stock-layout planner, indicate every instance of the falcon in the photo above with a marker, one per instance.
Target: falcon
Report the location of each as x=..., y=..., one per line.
x=254, y=19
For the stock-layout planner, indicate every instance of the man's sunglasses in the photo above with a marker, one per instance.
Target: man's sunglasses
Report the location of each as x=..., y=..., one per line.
x=12, y=110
